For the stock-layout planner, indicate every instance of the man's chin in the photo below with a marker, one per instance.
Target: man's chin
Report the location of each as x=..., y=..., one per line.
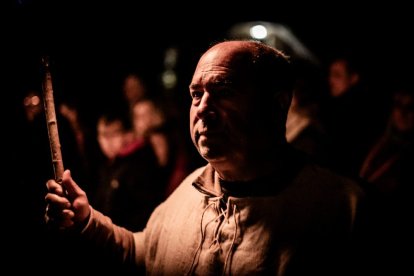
x=211, y=154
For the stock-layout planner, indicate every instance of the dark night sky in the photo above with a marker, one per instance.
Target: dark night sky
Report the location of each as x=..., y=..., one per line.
x=92, y=44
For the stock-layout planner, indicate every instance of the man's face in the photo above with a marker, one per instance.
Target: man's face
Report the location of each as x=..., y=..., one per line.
x=110, y=138
x=222, y=111
x=133, y=89
x=340, y=79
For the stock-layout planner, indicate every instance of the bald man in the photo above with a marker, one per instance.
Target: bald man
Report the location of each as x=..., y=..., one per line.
x=258, y=207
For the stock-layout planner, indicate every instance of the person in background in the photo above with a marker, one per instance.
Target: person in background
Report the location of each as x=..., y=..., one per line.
x=131, y=182
x=351, y=117
x=134, y=89
x=150, y=121
x=387, y=165
x=388, y=171
x=257, y=207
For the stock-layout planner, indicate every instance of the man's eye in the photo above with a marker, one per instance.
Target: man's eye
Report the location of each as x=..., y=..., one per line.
x=196, y=94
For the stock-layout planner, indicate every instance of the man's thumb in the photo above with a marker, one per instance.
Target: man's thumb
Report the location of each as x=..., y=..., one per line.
x=70, y=185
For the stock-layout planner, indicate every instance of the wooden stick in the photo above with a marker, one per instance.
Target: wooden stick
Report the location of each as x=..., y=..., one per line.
x=51, y=121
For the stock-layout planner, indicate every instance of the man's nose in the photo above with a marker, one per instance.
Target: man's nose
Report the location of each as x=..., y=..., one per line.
x=206, y=107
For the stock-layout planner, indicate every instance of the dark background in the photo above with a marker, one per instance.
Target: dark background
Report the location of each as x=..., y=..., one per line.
x=91, y=44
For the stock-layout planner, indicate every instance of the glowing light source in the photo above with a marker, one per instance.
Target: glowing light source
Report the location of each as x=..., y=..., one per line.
x=258, y=32
x=169, y=79
x=276, y=35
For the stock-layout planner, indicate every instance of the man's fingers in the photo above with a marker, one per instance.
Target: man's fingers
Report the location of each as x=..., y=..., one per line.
x=54, y=187
x=59, y=218
x=68, y=214
x=57, y=202
x=70, y=186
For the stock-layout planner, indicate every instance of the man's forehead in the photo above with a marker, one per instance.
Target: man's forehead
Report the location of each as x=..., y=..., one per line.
x=223, y=64
x=219, y=69
x=213, y=77
x=219, y=74
x=223, y=56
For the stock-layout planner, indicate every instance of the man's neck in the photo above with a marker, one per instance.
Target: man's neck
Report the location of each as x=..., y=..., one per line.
x=267, y=181
x=251, y=167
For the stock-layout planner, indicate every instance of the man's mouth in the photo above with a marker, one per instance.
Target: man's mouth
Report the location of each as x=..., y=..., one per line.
x=205, y=133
